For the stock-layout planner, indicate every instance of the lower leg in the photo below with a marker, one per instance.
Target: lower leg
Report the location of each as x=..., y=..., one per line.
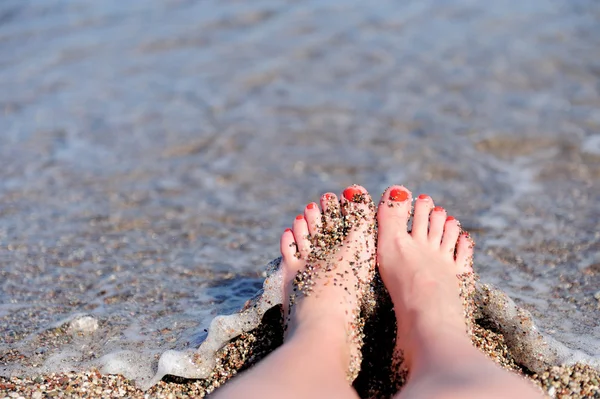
x=447, y=366
x=309, y=364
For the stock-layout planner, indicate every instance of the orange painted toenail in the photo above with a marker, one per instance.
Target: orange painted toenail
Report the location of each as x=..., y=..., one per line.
x=312, y=205
x=438, y=209
x=398, y=194
x=288, y=230
x=328, y=196
x=299, y=217
x=450, y=218
x=423, y=196
x=351, y=192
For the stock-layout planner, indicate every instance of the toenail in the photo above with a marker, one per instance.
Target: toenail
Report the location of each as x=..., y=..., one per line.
x=423, y=196
x=450, y=218
x=299, y=217
x=398, y=194
x=288, y=230
x=328, y=196
x=312, y=205
x=438, y=209
x=351, y=193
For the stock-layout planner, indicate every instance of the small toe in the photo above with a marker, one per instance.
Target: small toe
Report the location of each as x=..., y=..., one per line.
x=451, y=232
x=420, y=224
x=312, y=214
x=394, y=211
x=436, y=225
x=301, y=236
x=287, y=246
x=464, y=253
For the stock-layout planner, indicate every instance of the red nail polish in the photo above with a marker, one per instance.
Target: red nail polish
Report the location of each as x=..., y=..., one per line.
x=288, y=230
x=450, y=218
x=423, y=196
x=312, y=205
x=438, y=209
x=351, y=192
x=299, y=217
x=328, y=196
x=398, y=194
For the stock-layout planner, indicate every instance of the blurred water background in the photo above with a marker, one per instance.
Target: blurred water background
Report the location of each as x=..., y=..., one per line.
x=151, y=153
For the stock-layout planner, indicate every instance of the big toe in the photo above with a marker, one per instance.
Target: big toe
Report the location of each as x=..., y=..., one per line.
x=359, y=221
x=393, y=212
x=358, y=211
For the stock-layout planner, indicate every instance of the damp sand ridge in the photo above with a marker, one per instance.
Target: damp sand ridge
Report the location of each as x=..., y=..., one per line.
x=379, y=375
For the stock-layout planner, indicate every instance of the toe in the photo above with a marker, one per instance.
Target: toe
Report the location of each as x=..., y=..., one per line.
x=464, y=253
x=287, y=246
x=331, y=211
x=423, y=206
x=358, y=209
x=436, y=225
x=394, y=211
x=290, y=264
x=451, y=232
x=301, y=236
x=359, y=221
x=312, y=214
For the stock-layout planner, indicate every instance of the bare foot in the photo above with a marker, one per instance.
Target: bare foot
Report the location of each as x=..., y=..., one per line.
x=328, y=262
x=420, y=271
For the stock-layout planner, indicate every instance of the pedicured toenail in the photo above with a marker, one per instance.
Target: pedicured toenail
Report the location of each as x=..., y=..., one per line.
x=353, y=194
x=299, y=217
x=438, y=209
x=328, y=196
x=423, y=196
x=450, y=218
x=288, y=230
x=398, y=194
x=312, y=205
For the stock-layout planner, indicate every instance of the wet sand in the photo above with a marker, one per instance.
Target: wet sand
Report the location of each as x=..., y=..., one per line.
x=152, y=151
x=573, y=382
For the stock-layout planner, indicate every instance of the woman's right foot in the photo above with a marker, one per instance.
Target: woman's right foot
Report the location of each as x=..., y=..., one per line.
x=420, y=269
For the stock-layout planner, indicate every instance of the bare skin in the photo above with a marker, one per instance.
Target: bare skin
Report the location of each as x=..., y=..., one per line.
x=419, y=270
x=318, y=346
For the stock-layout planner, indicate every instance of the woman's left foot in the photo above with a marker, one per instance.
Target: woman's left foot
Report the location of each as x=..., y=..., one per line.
x=328, y=263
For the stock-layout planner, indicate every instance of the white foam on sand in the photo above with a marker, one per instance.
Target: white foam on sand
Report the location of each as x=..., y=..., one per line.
x=528, y=345
x=199, y=363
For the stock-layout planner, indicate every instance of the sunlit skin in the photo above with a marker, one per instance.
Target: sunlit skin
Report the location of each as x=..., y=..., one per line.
x=419, y=269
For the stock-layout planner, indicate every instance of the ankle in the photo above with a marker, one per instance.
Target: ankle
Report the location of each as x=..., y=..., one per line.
x=441, y=345
x=317, y=339
x=318, y=331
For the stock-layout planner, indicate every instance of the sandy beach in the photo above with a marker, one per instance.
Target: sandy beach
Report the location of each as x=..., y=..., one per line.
x=151, y=154
x=573, y=382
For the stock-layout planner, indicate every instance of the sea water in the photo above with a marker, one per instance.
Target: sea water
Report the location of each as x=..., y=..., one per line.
x=152, y=153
